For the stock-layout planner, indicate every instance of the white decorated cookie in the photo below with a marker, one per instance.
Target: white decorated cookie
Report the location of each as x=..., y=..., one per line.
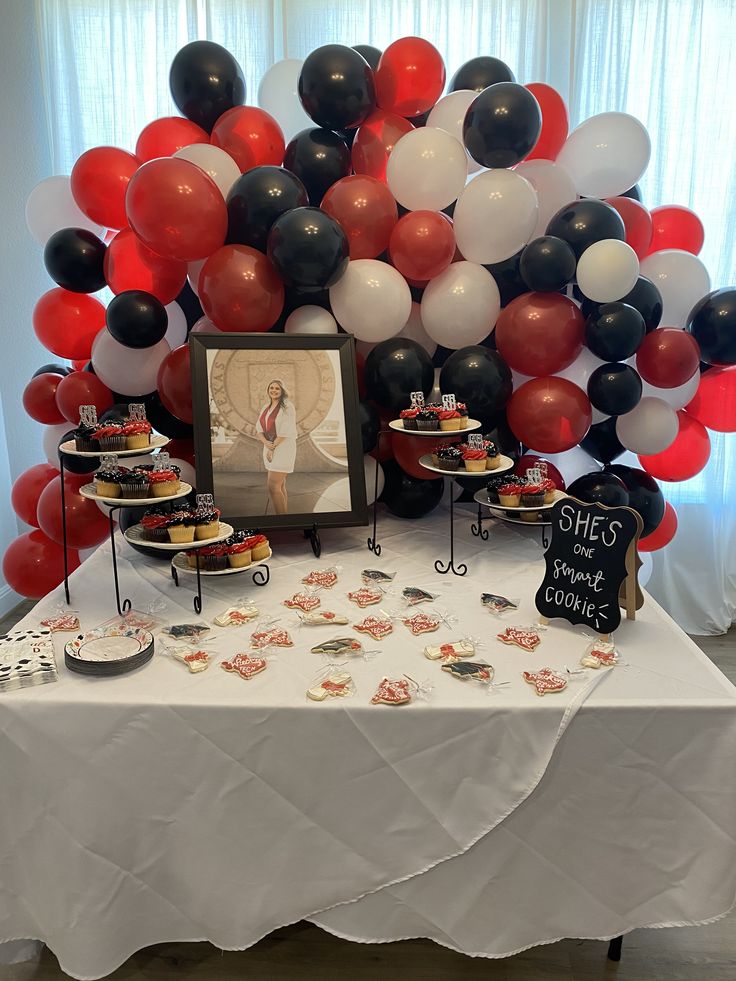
x=452, y=651
x=316, y=617
x=337, y=684
x=236, y=616
x=196, y=661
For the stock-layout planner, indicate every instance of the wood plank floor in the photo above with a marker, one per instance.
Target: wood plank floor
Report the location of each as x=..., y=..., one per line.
x=302, y=952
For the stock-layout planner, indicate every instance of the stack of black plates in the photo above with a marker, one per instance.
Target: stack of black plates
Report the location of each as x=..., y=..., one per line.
x=108, y=651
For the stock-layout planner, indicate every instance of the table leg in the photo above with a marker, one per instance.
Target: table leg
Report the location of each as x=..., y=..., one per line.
x=444, y=567
x=614, y=949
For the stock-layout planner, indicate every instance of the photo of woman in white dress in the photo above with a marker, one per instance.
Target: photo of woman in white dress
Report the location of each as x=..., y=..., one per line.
x=276, y=430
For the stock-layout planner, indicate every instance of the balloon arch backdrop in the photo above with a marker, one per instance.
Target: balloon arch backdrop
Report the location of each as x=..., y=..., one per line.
x=468, y=241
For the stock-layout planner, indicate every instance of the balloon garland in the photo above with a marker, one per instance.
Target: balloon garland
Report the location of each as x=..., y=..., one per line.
x=469, y=242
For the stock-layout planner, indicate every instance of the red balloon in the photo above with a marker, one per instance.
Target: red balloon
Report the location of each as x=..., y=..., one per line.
x=375, y=140
x=176, y=209
x=240, y=289
x=637, y=223
x=33, y=565
x=529, y=460
x=663, y=533
x=163, y=137
x=39, y=398
x=668, y=357
x=408, y=449
x=715, y=400
x=82, y=388
x=181, y=449
x=251, y=136
x=676, y=227
x=410, y=77
x=540, y=334
x=550, y=414
x=100, y=180
x=174, y=384
x=86, y=525
x=27, y=490
x=67, y=323
x=686, y=457
x=422, y=244
x=130, y=265
x=555, y=122
x=365, y=209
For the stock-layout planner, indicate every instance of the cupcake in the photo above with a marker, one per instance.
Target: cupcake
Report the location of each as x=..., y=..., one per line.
x=259, y=547
x=450, y=420
x=155, y=524
x=474, y=459
x=532, y=495
x=409, y=417
x=192, y=557
x=529, y=515
x=213, y=558
x=239, y=554
x=427, y=420
x=134, y=484
x=208, y=523
x=509, y=495
x=164, y=483
x=110, y=437
x=492, y=488
x=494, y=457
x=549, y=490
x=108, y=480
x=84, y=439
x=435, y=454
x=449, y=457
x=137, y=434
x=463, y=410
x=181, y=527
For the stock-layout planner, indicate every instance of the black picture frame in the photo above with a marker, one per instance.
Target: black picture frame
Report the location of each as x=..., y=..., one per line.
x=201, y=345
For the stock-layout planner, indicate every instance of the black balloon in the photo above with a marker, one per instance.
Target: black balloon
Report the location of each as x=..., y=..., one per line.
x=136, y=319
x=205, y=81
x=256, y=199
x=600, y=488
x=478, y=377
x=614, y=331
x=602, y=442
x=190, y=305
x=502, y=125
x=370, y=425
x=644, y=297
x=583, y=222
x=644, y=495
x=614, y=388
x=507, y=274
x=53, y=369
x=78, y=464
x=372, y=55
x=478, y=73
x=547, y=264
x=74, y=259
x=336, y=87
x=407, y=497
x=318, y=157
x=163, y=421
x=309, y=249
x=393, y=369
x=420, y=120
x=712, y=322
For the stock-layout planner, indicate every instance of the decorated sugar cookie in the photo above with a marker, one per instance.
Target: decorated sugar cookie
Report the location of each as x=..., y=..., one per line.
x=452, y=651
x=312, y=619
x=64, y=621
x=545, y=681
x=464, y=670
x=302, y=601
x=366, y=596
x=270, y=638
x=338, y=647
x=392, y=692
x=497, y=604
x=600, y=654
x=526, y=639
x=422, y=623
x=245, y=665
x=377, y=627
x=326, y=578
x=376, y=576
x=196, y=661
x=414, y=595
x=187, y=631
x=338, y=684
x=235, y=616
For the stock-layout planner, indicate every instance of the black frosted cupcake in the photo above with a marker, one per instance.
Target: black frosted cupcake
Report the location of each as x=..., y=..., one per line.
x=427, y=421
x=84, y=439
x=449, y=458
x=134, y=484
x=492, y=487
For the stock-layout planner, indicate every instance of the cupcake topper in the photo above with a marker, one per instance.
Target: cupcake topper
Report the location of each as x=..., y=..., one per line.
x=161, y=461
x=534, y=475
x=87, y=415
x=136, y=412
x=108, y=460
x=541, y=465
x=205, y=502
x=417, y=400
x=448, y=402
x=475, y=441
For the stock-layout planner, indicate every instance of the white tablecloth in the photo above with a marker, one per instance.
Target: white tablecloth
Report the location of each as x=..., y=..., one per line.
x=166, y=806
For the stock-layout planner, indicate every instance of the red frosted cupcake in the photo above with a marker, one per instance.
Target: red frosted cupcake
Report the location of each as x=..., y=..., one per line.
x=450, y=420
x=137, y=434
x=510, y=495
x=549, y=488
x=532, y=495
x=110, y=437
x=474, y=459
x=409, y=417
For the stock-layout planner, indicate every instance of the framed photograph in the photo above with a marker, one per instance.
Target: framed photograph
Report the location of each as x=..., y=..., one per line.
x=276, y=429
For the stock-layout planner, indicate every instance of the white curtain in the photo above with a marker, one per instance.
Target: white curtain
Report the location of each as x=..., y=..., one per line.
x=669, y=62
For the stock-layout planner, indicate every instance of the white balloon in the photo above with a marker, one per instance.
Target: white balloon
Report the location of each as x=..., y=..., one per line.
x=176, y=332
x=554, y=189
x=372, y=300
x=461, y=305
x=213, y=161
x=607, y=270
x=204, y=326
x=572, y=463
x=194, y=268
x=650, y=427
x=310, y=320
x=427, y=169
x=50, y=441
x=646, y=569
x=449, y=114
x=606, y=155
x=369, y=470
x=127, y=370
x=581, y=369
x=681, y=278
x=50, y=206
x=414, y=330
x=678, y=397
x=278, y=94
x=495, y=216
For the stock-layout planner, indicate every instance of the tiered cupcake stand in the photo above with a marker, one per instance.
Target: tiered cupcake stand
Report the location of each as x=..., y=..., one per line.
x=514, y=515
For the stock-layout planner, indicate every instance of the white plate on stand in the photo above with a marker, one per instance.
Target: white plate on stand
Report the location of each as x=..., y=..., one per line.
x=181, y=564
x=506, y=464
x=90, y=491
x=481, y=497
x=157, y=443
x=135, y=536
x=398, y=427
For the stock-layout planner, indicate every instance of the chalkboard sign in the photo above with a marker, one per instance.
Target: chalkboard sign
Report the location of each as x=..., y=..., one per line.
x=590, y=559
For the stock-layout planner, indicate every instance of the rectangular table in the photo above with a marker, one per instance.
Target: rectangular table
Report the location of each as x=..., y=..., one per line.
x=164, y=806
